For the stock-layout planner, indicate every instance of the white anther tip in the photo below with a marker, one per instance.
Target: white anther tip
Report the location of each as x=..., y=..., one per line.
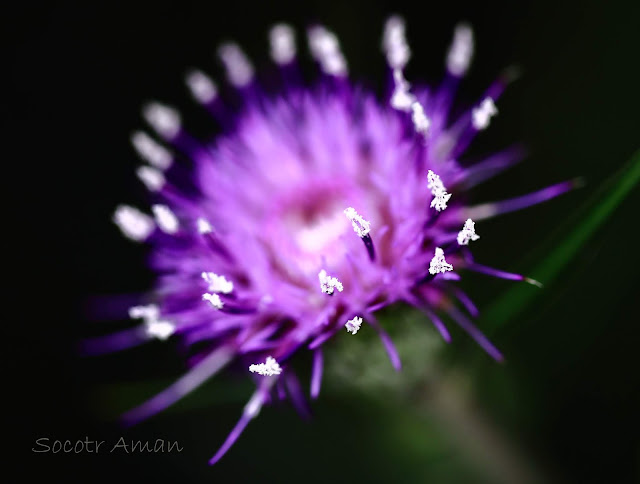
x=419, y=118
x=239, y=69
x=438, y=190
x=217, y=284
x=468, y=233
x=534, y=282
x=150, y=312
x=328, y=284
x=268, y=368
x=394, y=43
x=360, y=226
x=160, y=329
x=283, y=44
x=151, y=151
x=152, y=178
x=214, y=300
x=325, y=48
x=202, y=88
x=165, y=218
x=203, y=225
x=163, y=119
x=133, y=223
x=481, y=115
x=353, y=325
x=461, y=51
x=438, y=263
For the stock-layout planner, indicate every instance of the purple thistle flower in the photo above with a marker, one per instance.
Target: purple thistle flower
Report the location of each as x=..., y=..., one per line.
x=253, y=235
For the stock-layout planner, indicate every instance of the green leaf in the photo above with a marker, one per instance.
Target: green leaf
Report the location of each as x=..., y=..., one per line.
x=591, y=216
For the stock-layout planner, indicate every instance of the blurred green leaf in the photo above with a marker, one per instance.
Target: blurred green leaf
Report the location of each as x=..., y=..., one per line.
x=591, y=216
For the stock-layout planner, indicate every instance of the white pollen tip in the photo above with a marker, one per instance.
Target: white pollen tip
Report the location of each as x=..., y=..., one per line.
x=268, y=368
x=401, y=99
x=353, y=325
x=239, y=69
x=154, y=326
x=329, y=284
x=325, y=48
x=163, y=119
x=218, y=284
x=468, y=233
x=204, y=227
x=439, y=201
x=152, y=178
x=166, y=219
x=534, y=282
x=438, y=190
x=214, y=300
x=283, y=44
x=150, y=312
x=160, y=329
x=133, y=223
x=203, y=89
x=360, y=225
x=419, y=118
x=438, y=263
x=394, y=43
x=151, y=151
x=461, y=51
x=481, y=115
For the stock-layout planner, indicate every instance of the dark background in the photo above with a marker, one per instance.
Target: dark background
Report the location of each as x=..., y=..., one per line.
x=568, y=396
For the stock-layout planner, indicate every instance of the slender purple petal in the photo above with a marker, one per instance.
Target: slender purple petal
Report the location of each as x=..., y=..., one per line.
x=490, y=167
x=440, y=326
x=280, y=389
x=437, y=322
x=231, y=438
x=466, y=301
x=318, y=341
x=492, y=209
x=316, y=373
x=204, y=370
x=394, y=357
x=501, y=274
x=103, y=308
x=119, y=341
x=297, y=394
x=475, y=333
x=251, y=411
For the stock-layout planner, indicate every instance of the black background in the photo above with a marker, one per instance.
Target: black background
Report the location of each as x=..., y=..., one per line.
x=77, y=74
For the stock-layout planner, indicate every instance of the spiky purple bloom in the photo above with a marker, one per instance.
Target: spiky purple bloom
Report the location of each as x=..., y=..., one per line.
x=316, y=207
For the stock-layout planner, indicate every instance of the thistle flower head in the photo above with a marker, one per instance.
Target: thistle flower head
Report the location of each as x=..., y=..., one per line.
x=252, y=241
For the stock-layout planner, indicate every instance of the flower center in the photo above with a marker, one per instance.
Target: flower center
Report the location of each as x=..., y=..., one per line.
x=315, y=228
x=306, y=227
